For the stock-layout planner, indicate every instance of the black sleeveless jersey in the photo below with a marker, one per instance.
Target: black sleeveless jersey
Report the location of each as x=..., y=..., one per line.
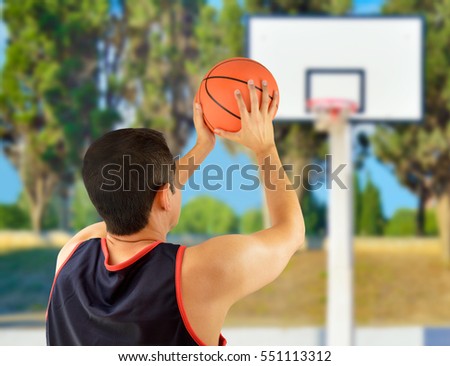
x=136, y=302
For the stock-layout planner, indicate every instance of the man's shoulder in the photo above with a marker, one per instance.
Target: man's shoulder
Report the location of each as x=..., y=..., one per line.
x=97, y=230
x=214, y=257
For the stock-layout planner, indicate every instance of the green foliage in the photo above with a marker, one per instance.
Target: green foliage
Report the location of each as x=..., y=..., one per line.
x=13, y=217
x=206, y=215
x=49, y=101
x=231, y=21
x=420, y=154
x=431, y=224
x=83, y=211
x=51, y=215
x=251, y=221
x=292, y=6
x=340, y=7
x=162, y=62
x=17, y=216
x=403, y=223
x=314, y=214
x=51, y=98
x=208, y=39
x=50, y=76
x=371, y=220
x=219, y=34
x=357, y=203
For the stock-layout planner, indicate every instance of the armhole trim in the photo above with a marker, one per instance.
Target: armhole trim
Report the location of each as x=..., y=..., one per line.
x=58, y=272
x=194, y=336
x=178, y=263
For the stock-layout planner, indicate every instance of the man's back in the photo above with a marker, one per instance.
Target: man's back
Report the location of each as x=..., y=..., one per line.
x=135, y=302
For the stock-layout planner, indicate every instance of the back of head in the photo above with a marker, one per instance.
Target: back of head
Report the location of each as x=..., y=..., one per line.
x=122, y=172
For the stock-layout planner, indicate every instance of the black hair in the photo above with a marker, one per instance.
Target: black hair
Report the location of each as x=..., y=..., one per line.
x=122, y=172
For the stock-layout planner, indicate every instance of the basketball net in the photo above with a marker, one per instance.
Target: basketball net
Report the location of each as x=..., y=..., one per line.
x=331, y=113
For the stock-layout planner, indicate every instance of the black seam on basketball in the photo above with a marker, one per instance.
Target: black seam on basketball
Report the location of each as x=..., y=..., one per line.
x=234, y=79
x=215, y=101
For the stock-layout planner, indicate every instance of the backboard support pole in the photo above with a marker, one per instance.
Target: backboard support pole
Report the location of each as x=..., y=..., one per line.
x=339, y=316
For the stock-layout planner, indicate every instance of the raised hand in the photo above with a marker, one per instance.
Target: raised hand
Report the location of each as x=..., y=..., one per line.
x=256, y=131
x=205, y=136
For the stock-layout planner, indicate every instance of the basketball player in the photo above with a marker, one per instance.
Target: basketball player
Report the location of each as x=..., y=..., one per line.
x=119, y=282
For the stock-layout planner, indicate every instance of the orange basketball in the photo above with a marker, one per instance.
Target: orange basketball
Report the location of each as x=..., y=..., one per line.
x=216, y=92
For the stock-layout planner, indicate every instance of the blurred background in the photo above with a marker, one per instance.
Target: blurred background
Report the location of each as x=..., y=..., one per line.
x=72, y=70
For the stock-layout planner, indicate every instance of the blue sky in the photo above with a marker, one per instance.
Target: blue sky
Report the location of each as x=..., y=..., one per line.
x=392, y=193
x=367, y=6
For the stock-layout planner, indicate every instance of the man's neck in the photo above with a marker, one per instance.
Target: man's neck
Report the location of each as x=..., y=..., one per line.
x=146, y=235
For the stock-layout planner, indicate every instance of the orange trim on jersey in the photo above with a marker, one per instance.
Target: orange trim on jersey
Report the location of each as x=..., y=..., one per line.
x=222, y=340
x=57, y=274
x=179, y=261
x=129, y=261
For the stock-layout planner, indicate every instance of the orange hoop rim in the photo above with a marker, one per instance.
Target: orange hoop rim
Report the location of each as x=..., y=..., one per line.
x=333, y=106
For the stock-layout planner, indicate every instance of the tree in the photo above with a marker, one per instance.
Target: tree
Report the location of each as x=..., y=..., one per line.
x=292, y=7
x=152, y=55
x=340, y=7
x=357, y=203
x=251, y=221
x=431, y=223
x=420, y=154
x=371, y=220
x=314, y=214
x=230, y=22
x=207, y=215
x=161, y=45
x=51, y=215
x=403, y=223
x=13, y=217
x=49, y=100
x=171, y=45
x=83, y=211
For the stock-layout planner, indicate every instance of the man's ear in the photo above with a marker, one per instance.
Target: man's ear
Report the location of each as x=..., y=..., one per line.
x=163, y=197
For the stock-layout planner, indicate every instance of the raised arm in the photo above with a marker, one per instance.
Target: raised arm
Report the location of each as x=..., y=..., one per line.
x=187, y=164
x=237, y=265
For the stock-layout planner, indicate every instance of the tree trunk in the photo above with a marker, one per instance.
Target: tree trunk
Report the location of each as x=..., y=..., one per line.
x=37, y=210
x=64, y=219
x=420, y=217
x=443, y=216
x=39, y=183
x=65, y=192
x=35, y=197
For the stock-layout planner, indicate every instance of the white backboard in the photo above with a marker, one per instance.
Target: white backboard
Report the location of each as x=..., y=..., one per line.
x=374, y=61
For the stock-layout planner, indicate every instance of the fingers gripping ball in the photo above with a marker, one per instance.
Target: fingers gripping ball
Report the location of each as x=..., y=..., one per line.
x=216, y=92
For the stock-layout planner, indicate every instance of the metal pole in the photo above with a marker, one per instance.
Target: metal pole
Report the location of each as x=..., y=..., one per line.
x=339, y=325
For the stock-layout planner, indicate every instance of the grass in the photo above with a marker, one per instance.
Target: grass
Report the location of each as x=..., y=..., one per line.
x=26, y=277
x=394, y=285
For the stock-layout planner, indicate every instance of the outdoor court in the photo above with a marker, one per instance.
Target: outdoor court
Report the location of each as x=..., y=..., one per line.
x=305, y=336
x=335, y=72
